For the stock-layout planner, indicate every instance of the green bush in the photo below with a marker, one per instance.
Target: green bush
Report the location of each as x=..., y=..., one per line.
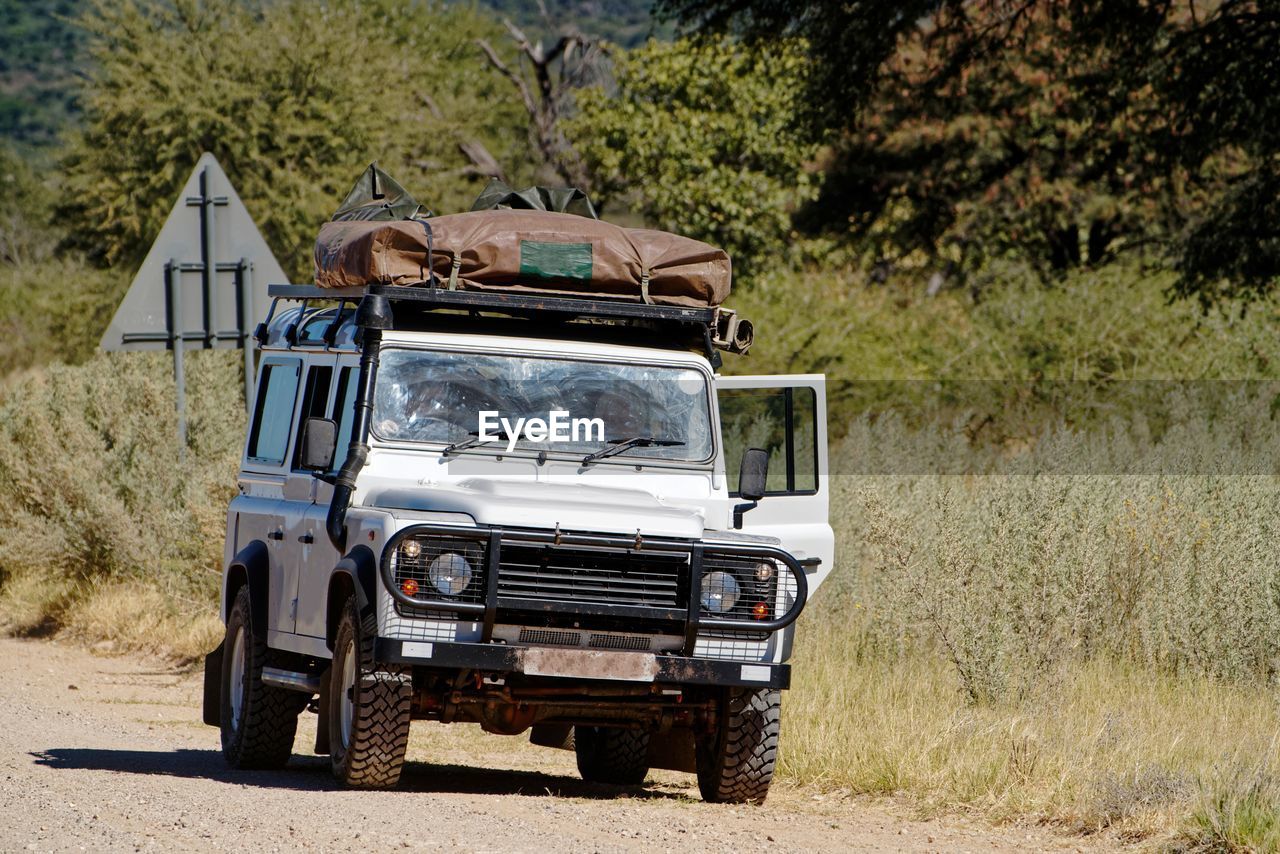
x=1021, y=356
x=94, y=489
x=1099, y=650
x=54, y=310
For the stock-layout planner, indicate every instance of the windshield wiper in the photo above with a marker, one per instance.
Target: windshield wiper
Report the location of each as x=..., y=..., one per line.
x=617, y=446
x=474, y=442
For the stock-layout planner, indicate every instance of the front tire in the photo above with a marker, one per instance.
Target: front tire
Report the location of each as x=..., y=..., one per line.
x=612, y=754
x=368, y=708
x=258, y=722
x=735, y=765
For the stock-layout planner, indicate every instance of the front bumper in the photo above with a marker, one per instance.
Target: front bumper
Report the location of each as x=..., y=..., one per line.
x=584, y=664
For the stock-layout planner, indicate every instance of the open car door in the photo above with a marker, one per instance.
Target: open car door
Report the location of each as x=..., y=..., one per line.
x=786, y=416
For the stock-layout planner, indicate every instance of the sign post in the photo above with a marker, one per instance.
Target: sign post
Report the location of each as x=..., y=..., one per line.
x=209, y=223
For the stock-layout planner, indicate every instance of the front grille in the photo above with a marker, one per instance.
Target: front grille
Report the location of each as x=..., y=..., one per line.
x=594, y=640
x=596, y=576
x=550, y=637
x=635, y=643
x=407, y=566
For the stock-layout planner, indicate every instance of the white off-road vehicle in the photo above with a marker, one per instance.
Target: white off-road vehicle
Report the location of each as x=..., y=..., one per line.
x=532, y=514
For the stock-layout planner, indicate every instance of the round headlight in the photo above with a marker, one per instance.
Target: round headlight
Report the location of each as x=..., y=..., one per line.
x=450, y=573
x=720, y=592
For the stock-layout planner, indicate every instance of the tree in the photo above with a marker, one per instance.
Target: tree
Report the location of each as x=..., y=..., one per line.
x=294, y=98
x=1026, y=152
x=1082, y=125
x=699, y=137
x=847, y=42
x=1219, y=78
x=572, y=61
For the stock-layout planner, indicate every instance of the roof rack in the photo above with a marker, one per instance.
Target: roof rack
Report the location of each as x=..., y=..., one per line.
x=718, y=327
x=439, y=298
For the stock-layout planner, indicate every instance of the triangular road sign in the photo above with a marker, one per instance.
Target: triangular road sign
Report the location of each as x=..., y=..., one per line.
x=173, y=296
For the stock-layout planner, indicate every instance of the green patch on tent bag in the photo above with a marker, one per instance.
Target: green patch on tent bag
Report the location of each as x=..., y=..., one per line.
x=555, y=260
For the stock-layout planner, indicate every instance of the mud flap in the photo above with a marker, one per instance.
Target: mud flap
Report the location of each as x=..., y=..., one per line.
x=213, y=687
x=673, y=751
x=559, y=736
x=322, y=718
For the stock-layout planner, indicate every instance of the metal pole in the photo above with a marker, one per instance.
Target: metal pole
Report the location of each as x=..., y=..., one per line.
x=173, y=318
x=206, y=258
x=243, y=306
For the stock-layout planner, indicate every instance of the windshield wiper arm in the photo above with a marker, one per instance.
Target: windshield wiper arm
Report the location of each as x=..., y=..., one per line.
x=617, y=446
x=474, y=442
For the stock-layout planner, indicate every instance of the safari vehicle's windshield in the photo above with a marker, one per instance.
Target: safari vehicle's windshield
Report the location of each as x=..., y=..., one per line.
x=442, y=397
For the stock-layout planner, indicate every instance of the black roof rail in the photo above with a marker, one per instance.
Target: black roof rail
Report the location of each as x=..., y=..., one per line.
x=504, y=302
x=715, y=328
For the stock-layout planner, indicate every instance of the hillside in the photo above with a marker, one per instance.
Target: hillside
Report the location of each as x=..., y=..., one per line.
x=39, y=61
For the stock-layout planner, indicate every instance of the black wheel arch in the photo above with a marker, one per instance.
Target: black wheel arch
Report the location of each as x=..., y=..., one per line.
x=251, y=566
x=355, y=574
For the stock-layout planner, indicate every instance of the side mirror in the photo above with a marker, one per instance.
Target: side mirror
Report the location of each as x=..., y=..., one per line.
x=754, y=474
x=752, y=477
x=319, y=441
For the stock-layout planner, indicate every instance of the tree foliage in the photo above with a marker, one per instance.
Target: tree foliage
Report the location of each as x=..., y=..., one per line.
x=294, y=98
x=699, y=139
x=1219, y=77
x=1060, y=131
x=1023, y=153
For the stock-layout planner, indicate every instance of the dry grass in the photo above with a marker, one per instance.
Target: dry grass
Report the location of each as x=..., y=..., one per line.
x=1096, y=650
x=135, y=616
x=1106, y=746
x=106, y=535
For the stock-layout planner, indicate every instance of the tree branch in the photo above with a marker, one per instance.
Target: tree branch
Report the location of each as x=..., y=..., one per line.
x=496, y=61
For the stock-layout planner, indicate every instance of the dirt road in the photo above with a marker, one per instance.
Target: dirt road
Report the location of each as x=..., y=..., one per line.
x=109, y=754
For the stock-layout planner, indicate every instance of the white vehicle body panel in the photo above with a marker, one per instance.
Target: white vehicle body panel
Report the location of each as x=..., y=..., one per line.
x=405, y=483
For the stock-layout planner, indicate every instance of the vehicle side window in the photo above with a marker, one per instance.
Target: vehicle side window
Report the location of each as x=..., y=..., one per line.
x=344, y=411
x=783, y=422
x=315, y=404
x=273, y=412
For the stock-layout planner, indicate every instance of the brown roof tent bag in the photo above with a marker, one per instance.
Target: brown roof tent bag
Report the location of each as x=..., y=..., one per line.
x=523, y=250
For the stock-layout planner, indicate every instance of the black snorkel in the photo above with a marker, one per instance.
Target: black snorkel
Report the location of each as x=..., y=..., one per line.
x=372, y=317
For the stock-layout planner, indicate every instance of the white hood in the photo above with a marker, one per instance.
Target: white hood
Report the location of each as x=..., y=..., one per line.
x=527, y=503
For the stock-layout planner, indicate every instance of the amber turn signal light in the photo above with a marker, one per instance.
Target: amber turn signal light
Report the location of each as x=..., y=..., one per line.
x=409, y=586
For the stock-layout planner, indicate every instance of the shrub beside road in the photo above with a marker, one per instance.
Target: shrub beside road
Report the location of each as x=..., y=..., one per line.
x=1091, y=648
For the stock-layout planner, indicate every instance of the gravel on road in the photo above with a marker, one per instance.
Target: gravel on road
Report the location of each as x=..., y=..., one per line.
x=109, y=754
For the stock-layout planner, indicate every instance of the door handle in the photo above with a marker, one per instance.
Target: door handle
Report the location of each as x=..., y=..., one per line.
x=275, y=535
x=307, y=538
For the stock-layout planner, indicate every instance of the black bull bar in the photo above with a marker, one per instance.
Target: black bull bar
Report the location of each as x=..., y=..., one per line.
x=690, y=616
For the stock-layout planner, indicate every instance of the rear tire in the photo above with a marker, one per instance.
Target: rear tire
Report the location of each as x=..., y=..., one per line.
x=258, y=722
x=612, y=755
x=368, y=708
x=735, y=765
